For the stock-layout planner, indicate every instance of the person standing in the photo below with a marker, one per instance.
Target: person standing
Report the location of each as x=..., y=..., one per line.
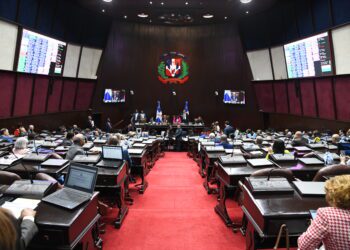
x=91, y=123
x=108, y=125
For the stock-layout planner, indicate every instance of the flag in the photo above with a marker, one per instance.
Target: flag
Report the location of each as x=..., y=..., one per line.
x=159, y=113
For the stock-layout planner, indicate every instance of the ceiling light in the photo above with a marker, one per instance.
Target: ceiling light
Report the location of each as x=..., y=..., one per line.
x=103, y=10
x=247, y=12
x=150, y=20
x=151, y=2
x=186, y=3
x=245, y=1
x=225, y=17
x=208, y=16
x=107, y=1
x=162, y=3
x=142, y=15
x=125, y=16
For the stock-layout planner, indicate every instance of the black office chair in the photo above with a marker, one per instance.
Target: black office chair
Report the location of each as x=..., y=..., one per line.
x=330, y=171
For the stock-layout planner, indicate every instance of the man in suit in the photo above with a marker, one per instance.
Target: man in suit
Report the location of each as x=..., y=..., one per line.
x=135, y=117
x=20, y=231
x=178, y=137
x=228, y=130
x=299, y=140
x=77, y=147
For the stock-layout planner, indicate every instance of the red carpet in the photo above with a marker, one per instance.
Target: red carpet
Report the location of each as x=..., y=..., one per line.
x=175, y=212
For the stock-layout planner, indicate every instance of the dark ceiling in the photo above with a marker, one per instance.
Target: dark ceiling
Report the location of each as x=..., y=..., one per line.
x=177, y=12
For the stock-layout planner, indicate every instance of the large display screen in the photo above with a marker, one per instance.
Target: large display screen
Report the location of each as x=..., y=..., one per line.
x=38, y=53
x=234, y=97
x=114, y=96
x=309, y=57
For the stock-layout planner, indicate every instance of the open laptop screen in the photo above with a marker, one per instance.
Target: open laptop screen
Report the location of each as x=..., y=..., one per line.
x=81, y=177
x=112, y=152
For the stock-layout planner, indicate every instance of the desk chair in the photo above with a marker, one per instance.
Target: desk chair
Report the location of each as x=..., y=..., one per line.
x=7, y=178
x=332, y=170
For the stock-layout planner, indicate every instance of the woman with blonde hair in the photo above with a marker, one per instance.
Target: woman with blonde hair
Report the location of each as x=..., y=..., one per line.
x=332, y=224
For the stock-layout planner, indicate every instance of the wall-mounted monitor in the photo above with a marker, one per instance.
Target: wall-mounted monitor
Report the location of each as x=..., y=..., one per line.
x=38, y=53
x=309, y=57
x=234, y=97
x=114, y=96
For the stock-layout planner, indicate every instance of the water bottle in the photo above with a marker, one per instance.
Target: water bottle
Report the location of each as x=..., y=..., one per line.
x=328, y=158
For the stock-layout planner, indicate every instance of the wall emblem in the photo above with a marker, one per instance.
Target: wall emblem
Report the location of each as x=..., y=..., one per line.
x=173, y=68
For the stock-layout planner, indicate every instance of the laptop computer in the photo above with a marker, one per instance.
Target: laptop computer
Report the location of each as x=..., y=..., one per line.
x=260, y=162
x=88, y=159
x=311, y=161
x=78, y=188
x=36, y=157
x=283, y=157
x=229, y=159
x=310, y=188
x=112, y=157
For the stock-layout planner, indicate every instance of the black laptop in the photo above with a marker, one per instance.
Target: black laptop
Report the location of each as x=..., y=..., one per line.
x=112, y=157
x=78, y=188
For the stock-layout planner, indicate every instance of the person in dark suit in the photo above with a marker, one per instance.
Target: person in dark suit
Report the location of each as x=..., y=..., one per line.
x=91, y=123
x=224, y=142
x=108, y=125
x=178, y=137
x=299, y=140
x=17, y=234
x=135, y=117
x=77, y=147
x=68, y=140
x=228, y=130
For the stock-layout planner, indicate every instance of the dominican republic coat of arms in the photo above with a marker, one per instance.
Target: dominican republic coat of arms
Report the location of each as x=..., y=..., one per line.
x=173, y=68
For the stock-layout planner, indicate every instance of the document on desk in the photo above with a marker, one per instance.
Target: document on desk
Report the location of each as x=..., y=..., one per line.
x=19, y=204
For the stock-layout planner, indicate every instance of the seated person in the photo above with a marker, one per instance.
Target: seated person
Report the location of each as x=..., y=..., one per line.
x=259, y=141
x=20, y=131
x=116, y=141
x=21, y=147
x=224, y=142
x=335, y=139
x=250, y=134
x=228, y=130
x=332, y=224
x=68, y=140
x=16, y=234
x=5, y=135
x=77, y=147
x=278, y=147
x=31, y=129
x=299, y=140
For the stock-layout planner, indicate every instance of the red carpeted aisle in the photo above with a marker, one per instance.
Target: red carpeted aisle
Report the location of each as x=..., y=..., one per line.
x=174, y=213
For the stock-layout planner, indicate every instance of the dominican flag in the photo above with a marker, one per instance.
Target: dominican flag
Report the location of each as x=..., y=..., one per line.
x=186, y=108
x=159, y=113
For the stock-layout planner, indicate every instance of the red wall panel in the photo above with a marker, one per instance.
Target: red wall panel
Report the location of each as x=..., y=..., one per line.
x=342, y=97
x=294, y=99
x=55, y=97
x=69, y=88
x=23, y=95
x=308, y=98
x=264, y=94
x=84, y=95
x=325, y=98
x=40, y=95
x=281, y=97
x=7, y=85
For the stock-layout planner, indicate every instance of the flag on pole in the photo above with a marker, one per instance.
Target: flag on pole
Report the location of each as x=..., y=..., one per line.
x=159, y=113
x=186, y=108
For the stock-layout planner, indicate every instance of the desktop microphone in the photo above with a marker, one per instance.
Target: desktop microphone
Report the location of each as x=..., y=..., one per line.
x=270, y=172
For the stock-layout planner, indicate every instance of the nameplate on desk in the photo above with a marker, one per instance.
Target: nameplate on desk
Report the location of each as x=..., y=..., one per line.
x=275, y=185
x=54, y=163
x=260, y=162
x=229, y=159
x=25, y=188
x=310, y=188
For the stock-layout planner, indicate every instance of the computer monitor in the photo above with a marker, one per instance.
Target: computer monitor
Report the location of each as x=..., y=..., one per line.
x=81, y=177
x=112, y=153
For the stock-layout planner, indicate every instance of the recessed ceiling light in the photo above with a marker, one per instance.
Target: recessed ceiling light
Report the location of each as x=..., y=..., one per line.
x=186, y=3
x=142, y=15
x=245, y=1
x=247, y=12
x=125, y=16
x=150, y=20
x=103, y=10
x=162, y=3
x=150, y=2
x=225, y=17
x=208, y=16
x=107, y=1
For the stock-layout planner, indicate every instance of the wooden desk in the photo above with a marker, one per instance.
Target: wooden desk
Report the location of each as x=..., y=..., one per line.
x=67, y=229
x=266, y=214
x=139, y=168
x=209, y=161
x=228, y=177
